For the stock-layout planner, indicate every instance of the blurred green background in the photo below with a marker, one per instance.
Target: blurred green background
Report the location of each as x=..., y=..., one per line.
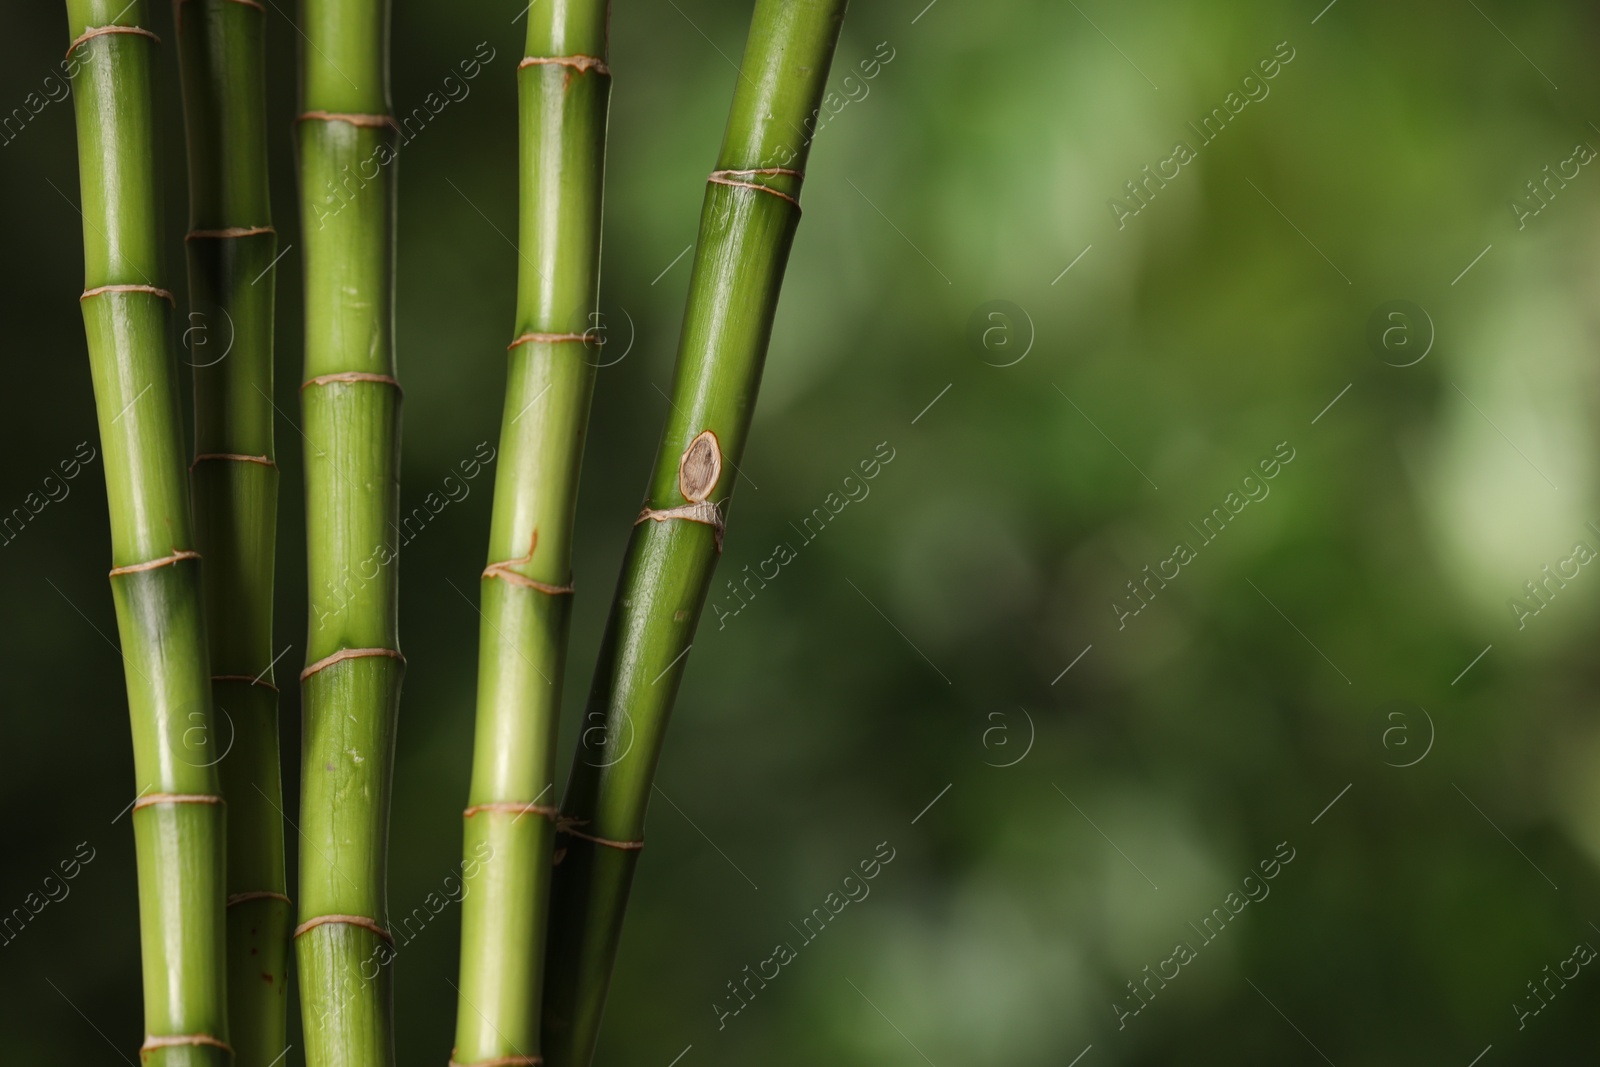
x=1321, y=649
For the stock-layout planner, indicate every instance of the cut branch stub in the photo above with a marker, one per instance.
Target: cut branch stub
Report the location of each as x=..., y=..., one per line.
x=700, y=467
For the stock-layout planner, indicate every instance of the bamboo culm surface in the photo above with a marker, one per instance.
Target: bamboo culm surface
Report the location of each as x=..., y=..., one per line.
x=178, y=814
x=231, y=249
x=350, y=406
x=747, y=224
x=564, y=87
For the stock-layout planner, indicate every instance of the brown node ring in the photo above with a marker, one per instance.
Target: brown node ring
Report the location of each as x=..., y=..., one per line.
x=151, y=799
x=352, y=119
x=101, y=31
x=513, y=805
x=580, y=63
x=549, y=339
x=499, y=1061
x=728, y=177
x=348, y=653
x=251, y=679
x=344, y=920
x=152, y=290
x=153, y=1042
x=233, y=457
x=348, y=377
x=256, y=894
x=565, y=825
x=177, y=556
x=230, y=231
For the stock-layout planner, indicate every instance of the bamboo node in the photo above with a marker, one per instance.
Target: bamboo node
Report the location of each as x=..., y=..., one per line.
x=150, y=799
x=246, y=3
x=252, y=679
x=230, y=231
x=499, y=1061
x=503, y=571
x=265, y=461
x=149, y=565
x=352, y=119
x=580, y=63
x=733, y=178
x=100, y=289
x=702, y=511
x=344, y=920
x=549, y=339
x=565, y=824
x=152, y=1042
x=513, y=805
x=349, y=653
x=256, y=894
x=100, y=31
x=350, y=376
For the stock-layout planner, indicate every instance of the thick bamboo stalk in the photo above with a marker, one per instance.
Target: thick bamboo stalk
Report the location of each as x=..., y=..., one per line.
x=231, y=249
x=351, y=420
x=178, y=824
x=565, y=88
x=747, y=225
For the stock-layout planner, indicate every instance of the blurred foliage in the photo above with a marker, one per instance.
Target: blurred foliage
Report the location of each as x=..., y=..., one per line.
x=920, y=640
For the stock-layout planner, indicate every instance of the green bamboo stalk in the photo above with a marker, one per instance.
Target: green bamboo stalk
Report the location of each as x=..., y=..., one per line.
x=231, y=248
x=747, y=224
x=351, y=420
x=178, y=822
x=565, y=89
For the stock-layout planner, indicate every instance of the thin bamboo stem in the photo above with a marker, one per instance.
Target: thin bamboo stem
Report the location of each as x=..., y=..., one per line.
x=564, y=88
x=351, y=420
x=231, y=248
x=178, y=816
x=747, y=226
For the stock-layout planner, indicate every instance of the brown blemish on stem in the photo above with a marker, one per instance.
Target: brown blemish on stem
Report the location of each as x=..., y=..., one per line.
x=257, y=894
x=352, y=119
x=152, y=1042
x=548, y=339
x=513, y=805
x=344, y=920
x=152, y=290
x=149, y=565
x=231, y=231
x=700, y=467
x=244, y=678
x=350, y=376
x=150, y=799
x=349, y=653
x=232, y=457
x=101, y=31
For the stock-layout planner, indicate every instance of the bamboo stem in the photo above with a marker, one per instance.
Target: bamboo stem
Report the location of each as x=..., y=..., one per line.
x=747, y=225
x=564, y=89
x=231, y=248
x=351, y=420
x=178, y=816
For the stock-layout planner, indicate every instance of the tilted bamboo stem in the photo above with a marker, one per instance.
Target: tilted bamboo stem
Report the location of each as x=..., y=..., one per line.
x=747, y=225
x=231, y=249
x=526, y=590
x=179, y=832
x=351, y=420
